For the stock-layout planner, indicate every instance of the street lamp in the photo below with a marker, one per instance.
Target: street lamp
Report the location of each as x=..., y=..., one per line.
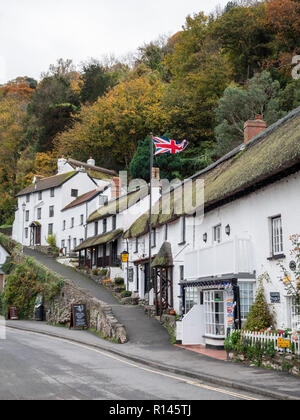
x=125, y=259
x=125, y=256
x=227, y=230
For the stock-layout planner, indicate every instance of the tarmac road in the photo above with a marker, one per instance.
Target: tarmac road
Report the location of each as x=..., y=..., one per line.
x=37, y=367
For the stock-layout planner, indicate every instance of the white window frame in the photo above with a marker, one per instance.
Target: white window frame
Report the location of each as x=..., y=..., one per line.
x=191, y=298
x=247, y=297
x=295, y=315
x=276, y=235
x=213, y=328
x=217, y=234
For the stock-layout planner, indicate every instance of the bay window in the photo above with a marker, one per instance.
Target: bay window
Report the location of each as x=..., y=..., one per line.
x=214, y=313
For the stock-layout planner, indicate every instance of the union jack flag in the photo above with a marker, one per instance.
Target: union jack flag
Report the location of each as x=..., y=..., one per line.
x=165, y=145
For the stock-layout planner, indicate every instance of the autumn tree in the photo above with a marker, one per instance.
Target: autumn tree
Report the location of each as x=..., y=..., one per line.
x=244, y=38
x=111, y=128
x=199, y=76
x=53, y=105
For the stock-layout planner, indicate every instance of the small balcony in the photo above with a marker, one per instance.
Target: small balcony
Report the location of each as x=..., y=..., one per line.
x=234, y=256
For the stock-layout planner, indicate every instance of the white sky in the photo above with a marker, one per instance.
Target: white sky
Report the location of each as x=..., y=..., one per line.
x=35, y=33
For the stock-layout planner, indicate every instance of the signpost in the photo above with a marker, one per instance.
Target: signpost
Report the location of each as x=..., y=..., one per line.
x=79, y=317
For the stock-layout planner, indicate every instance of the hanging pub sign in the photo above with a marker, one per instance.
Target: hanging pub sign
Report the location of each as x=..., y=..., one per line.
x=124, y=256
x=13, y=313
x=275, y=297
x=79, y=317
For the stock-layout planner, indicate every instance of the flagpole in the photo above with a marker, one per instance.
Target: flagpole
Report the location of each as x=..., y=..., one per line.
x=150, y=208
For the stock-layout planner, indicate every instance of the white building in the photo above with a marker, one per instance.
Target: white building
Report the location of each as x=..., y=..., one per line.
x=207, y=268
x=106, y=225
x=39, y=210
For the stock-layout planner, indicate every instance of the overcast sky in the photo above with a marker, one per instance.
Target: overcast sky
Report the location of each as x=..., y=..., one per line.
x=35, y=33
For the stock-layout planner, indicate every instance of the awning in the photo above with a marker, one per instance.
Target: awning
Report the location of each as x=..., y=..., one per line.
x=216, y=283
x=104, y=238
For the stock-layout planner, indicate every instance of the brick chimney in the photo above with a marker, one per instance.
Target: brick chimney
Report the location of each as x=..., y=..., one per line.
x=115, y=187
x=253, y=127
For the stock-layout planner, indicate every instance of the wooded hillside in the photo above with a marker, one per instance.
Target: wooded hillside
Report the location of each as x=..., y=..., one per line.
x=201, y=85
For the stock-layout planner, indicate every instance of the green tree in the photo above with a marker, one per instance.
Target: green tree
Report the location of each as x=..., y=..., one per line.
x=97, y=79
x=52, y=105
x=260, y=316
x=262, y=95
x=245, y=38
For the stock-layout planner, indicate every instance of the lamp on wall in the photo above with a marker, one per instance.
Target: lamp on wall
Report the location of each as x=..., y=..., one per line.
x=205, y=237
x=227, y=230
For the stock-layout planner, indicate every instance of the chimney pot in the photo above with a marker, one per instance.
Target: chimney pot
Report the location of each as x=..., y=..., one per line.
x=91, y=161
x=253, y=127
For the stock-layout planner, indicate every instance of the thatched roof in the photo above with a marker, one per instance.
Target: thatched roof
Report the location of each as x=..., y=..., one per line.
x=118, y=205
x=272, y=155
x=104, y=238
x=164, y=258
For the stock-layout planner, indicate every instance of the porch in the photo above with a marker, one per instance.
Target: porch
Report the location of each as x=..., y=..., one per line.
x=100, y=251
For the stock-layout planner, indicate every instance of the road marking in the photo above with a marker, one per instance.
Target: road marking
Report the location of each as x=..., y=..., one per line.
x=106, y=354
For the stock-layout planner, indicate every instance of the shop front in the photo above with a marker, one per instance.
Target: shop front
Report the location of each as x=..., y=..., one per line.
x=211, y=307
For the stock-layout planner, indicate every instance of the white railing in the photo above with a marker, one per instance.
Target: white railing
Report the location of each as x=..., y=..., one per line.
x=266, y=337
x=229, y=257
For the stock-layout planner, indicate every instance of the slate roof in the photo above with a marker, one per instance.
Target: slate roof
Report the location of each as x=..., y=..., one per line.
x=85, y=197
x=271, y=155
x=47, y=183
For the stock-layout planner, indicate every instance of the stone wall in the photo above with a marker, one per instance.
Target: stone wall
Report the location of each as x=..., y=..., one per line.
x=101, y=318
x=281, y=362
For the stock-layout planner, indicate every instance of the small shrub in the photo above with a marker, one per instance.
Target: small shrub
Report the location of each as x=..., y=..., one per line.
x=119, y=281
x=126, y=293
x=103, y=272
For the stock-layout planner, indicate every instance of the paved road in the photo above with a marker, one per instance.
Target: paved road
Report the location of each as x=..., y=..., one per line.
x=140, y=329
x=46, y=368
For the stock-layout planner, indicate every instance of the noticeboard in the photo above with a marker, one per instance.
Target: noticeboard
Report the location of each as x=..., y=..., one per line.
x=275, y=297
x=13, y=313
x=79, y=317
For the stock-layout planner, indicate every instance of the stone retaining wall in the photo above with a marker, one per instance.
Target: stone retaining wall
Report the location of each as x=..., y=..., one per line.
x=101, y=317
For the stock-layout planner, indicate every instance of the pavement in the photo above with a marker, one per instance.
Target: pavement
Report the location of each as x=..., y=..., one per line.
x=149, y=345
